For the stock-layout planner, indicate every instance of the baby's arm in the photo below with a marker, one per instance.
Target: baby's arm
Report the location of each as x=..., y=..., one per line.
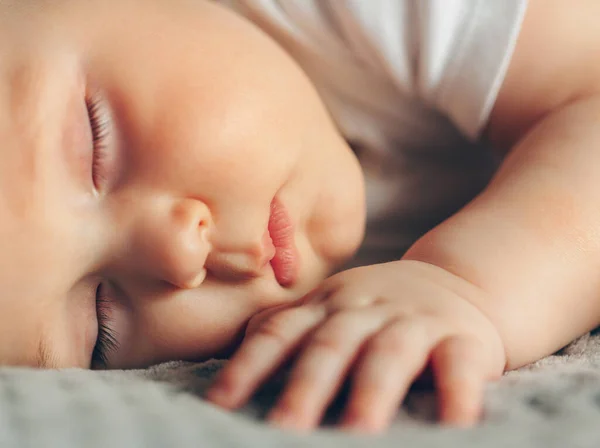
x=532, y=238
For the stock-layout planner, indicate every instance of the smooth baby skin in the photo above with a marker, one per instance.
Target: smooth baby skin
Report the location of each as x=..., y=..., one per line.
x=142, y=147
x=509, y=279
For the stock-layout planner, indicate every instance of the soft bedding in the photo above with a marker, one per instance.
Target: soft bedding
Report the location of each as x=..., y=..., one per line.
x=552, y=403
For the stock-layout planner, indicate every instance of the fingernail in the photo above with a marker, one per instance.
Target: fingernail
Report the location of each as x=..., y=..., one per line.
x=354, y=426
x=282, y=418
x=358, y=425
x=218, y=394
x=214, y=394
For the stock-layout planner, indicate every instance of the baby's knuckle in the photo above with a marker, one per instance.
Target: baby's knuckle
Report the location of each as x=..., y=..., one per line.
x=343, y=323
x=340, y=303
x=391, y=342
x=397, y=338
x=327, y=341
x=463, y=347
x=343, y=327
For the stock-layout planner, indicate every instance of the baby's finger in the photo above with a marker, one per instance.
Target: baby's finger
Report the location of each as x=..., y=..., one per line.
x=460, y=369
x=264, y=350
x=322, y=367
x=391, y=361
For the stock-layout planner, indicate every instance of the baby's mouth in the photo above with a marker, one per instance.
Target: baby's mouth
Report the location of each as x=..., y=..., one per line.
x=285, y=262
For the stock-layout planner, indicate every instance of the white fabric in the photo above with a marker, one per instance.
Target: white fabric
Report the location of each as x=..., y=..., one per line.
x=553, y=403
x=411, y=84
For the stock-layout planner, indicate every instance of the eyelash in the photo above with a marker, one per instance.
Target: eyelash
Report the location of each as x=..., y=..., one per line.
x=106, y=341
x=100, y=127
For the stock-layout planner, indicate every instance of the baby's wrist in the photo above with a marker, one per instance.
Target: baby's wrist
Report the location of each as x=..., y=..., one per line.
x=481, y=318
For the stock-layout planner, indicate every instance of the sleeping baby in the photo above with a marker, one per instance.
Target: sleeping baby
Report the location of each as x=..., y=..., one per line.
x=372, y=190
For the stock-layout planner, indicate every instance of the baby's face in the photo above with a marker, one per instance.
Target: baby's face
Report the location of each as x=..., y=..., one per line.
x=154, y=155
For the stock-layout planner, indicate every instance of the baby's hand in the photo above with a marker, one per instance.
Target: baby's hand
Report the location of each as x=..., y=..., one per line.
x=380, y=326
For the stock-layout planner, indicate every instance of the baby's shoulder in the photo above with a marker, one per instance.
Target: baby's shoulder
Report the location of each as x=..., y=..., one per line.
x=554, y=63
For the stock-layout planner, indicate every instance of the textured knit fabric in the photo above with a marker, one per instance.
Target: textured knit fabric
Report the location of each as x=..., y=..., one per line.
x=553, y=403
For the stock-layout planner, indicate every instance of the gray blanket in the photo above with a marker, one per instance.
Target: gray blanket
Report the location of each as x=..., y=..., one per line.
x=552, y=403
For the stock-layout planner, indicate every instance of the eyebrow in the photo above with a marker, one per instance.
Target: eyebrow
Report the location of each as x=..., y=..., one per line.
x=46, y=357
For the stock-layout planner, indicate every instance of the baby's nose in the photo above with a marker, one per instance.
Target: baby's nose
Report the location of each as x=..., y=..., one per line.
x=175, y=241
